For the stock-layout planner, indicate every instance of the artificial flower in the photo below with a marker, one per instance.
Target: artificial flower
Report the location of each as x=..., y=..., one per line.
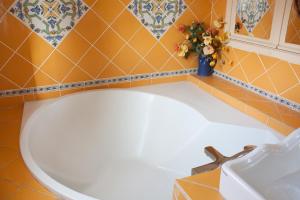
x=218, y=23
x=215, y=56
x=182, y=28
x=177, y=47
x=212, y=31
x=224, y=38
x=208, y=50
x=183, y=49
x=207, y=40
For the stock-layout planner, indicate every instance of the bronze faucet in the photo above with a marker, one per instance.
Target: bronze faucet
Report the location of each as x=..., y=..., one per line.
x=219, y=159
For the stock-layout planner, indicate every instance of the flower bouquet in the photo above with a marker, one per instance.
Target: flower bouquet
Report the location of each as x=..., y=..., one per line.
x=207, y=43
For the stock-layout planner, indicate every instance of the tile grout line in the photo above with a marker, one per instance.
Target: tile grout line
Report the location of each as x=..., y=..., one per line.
x=32, y=32
x=109, y=27
x=15, y=51
x=88, y=83
x=295, y=73
x=39, y=68
x=12, y=82
x=261, y=92
x=265, y=72
x=200, y=184
x=125, y=41
x=76, y=64
x=290, y=88
x=182, y=191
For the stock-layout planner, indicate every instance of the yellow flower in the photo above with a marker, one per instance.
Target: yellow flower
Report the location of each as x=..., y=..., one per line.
x=224, y=38
x=218, y=23
x=215, y=56
x=207, y=40
x=212, y=63
x=183, y=49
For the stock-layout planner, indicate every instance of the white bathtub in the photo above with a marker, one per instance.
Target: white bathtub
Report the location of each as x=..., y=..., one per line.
x=130, y=144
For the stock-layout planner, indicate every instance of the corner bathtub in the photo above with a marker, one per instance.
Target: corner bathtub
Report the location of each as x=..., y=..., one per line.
x=130, y=144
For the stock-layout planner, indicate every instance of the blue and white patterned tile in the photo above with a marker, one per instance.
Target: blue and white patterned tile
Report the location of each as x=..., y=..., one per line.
x=157, y=15
x=50, y=19
x=251, y=12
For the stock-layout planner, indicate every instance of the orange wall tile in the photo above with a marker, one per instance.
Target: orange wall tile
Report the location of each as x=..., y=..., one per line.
x=112, y=42
x=268, y=73
x=108, y=41
x=271, y=74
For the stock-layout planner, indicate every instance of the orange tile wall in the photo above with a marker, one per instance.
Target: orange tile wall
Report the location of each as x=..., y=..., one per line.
x=269, y=73
x=107, y=42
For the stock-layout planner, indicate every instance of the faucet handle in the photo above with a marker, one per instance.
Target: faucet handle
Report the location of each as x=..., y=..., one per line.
x=214, y=154
x=219, y=159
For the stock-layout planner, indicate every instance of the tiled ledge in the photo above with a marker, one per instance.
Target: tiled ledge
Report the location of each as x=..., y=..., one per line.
x=202, y=186
x=10, y=101
x=274, y=115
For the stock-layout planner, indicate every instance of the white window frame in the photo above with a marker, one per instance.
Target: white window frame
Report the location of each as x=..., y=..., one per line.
x=282, y=44
x=276, y=45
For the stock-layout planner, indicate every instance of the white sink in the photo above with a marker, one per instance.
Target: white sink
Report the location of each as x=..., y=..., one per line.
x=270, y=172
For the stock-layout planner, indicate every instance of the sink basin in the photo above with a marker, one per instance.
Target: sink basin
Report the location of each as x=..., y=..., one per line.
x=270, y=172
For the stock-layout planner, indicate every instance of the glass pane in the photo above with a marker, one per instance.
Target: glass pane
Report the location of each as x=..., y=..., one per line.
x=254, y=18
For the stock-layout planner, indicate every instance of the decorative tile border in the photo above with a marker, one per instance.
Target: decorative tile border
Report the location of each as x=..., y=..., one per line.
x=92, y=83
x=261, y=92
x=138, y=77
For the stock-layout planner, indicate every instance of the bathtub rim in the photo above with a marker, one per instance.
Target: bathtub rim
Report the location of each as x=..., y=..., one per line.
x=38, y=173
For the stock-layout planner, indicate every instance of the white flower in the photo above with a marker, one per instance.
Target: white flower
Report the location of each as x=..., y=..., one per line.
x=207, y=40
x=208, y=50
x=218, y=23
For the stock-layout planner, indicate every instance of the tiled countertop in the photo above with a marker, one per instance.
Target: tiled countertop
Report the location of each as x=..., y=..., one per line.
x=16, y=182
x=199, y=187
x=274, y=115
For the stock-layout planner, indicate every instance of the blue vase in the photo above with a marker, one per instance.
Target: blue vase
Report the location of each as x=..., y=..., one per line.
x=204, y=69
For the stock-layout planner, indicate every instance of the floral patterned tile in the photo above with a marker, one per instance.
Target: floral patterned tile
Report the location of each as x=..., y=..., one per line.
x=251, y=12
x=157, y=15
x=50, y=19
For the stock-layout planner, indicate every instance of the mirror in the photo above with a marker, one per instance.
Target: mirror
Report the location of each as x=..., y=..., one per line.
x=274, y=24
x=253, y=18
x=293, y=26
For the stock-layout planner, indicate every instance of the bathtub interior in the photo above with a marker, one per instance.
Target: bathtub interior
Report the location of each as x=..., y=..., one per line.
x=128, y=145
